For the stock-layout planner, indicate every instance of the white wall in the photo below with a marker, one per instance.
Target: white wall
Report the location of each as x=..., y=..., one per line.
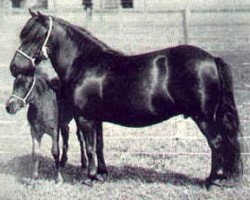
x=163, y=4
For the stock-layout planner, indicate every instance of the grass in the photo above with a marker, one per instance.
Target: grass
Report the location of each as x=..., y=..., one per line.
x=139, y=161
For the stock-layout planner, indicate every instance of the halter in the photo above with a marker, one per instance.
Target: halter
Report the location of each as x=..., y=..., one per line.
x=24, y=99
x=44, y=46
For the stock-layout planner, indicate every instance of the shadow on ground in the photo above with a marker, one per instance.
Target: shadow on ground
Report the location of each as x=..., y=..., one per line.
x=22, y=168
x=149, y=175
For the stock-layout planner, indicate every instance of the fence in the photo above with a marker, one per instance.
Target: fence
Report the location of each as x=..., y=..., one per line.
x=137, y=32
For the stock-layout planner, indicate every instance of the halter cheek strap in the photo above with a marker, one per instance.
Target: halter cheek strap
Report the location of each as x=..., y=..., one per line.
x=24, y=99
x=44, y=46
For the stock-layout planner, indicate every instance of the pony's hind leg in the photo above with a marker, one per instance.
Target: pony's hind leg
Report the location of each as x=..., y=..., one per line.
x=208, y=128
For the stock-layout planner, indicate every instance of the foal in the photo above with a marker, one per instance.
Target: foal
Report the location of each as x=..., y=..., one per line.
x=44, y=115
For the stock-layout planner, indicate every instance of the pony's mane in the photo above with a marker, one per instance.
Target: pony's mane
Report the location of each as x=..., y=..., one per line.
x=30, y=30
x=83, y=32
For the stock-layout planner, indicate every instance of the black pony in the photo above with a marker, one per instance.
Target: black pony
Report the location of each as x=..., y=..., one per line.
x=138, y=90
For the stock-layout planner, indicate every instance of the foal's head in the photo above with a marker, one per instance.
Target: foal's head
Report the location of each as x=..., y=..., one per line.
x=22, y=93
x=34, y=43
x=26, y=89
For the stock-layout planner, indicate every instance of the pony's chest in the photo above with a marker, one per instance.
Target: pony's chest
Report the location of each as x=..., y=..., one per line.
x=87, y=96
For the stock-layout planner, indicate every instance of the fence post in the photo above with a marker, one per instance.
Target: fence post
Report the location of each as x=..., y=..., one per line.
x=185, y=18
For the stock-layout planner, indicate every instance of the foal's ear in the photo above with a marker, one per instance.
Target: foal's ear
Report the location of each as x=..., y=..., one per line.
x=32, y=13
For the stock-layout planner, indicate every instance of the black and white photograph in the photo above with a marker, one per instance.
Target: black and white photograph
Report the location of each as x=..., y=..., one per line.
x=125, y=99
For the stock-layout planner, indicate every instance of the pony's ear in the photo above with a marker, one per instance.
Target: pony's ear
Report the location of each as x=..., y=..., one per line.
x=42, y=18
x=32, y=13
x=40, y=14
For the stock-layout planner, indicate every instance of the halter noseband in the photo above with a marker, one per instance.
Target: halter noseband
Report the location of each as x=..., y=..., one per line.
x=44, y=46
x=24, y=99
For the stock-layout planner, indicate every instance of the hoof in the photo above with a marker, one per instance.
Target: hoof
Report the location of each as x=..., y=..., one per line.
x=102, y=171
x=220, y=181
x=84, y=166
x=101, y=178
x=88, y=182
x=96, y=177
x=63, y=162
x=34, y=176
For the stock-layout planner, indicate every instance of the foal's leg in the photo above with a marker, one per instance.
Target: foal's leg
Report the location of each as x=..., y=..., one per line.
x=36, y=152
x=214, y=139
x=65, y=136
x=101, y=169
x=56, y=153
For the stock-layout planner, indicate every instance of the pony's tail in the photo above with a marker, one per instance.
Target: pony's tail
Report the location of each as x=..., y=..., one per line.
x=229, y=125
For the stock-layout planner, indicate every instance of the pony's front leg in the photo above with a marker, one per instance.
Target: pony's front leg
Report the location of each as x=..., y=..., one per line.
x=88, y=129
x=56, y=154
x=102, y=169
x=65, y=136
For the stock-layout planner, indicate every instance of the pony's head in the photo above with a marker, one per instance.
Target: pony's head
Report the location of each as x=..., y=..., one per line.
x=34, y=44
x=22, y=93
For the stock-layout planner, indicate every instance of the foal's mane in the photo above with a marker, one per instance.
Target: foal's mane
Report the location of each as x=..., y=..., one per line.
x=42, y=81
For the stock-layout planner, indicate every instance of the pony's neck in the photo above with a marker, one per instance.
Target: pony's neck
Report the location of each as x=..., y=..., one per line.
x=73, y=46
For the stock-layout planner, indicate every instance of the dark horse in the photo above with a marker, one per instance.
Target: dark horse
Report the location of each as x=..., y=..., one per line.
x=138, y=90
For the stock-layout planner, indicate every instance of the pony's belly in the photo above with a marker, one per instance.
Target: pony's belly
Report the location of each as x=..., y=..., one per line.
x=135, y=118
x=139, y=122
